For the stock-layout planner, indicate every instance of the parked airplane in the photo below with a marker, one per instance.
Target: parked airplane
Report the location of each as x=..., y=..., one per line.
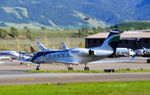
x=79, y=55
x=142, y=51
x=3, y=58
x=13, y=56
x=124, y=52
x=9, y=54
x=119, y=51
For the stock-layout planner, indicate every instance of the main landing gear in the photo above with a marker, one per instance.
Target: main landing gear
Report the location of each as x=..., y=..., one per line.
x=148, y=60
x=86, y=67
x=37, y=66
x=69, y=67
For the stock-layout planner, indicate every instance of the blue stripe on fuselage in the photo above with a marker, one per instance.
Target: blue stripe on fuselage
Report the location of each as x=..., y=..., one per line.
x=43, y=53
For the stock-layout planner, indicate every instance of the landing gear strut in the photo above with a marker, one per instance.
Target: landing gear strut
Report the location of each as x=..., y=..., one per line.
x=86, y=67
x=69, y=67
x=148, y=60
x=38, y=67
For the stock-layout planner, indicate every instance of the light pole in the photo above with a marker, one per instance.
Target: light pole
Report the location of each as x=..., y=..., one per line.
x=86, y=19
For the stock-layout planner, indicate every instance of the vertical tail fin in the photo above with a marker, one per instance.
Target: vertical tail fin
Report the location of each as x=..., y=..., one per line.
x=138, y=43
x=41, y=46
x=112, y=40
x=32, y=49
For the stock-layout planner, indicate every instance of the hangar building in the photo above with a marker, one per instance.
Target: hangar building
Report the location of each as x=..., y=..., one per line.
x=128, y=39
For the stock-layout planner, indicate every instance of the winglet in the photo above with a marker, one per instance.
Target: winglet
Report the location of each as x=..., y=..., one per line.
x=41, y=46
x=65, y=46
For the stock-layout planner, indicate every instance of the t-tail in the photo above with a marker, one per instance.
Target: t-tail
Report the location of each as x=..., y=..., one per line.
x=111, y=42
x=139, y=44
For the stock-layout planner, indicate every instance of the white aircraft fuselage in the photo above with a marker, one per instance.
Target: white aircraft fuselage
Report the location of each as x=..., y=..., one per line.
x=73, y=55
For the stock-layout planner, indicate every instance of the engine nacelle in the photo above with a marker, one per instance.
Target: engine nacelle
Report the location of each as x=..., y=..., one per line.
x=91, y=52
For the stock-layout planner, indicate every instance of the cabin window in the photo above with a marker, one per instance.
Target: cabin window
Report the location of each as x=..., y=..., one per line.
x=75, y=52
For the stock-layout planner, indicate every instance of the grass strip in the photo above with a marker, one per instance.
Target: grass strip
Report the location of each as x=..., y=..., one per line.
x=95, y=88
x=90, y=71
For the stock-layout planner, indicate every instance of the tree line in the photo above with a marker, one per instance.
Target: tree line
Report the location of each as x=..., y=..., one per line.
x=14, y=33
x=141, y=25
x=137, y=25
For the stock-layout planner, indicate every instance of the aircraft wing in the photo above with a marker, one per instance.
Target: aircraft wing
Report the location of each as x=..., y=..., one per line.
x=114, y=61
x=143, y=58
x=67, y=62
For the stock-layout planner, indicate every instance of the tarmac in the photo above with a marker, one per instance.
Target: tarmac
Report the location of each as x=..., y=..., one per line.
x=12, y=73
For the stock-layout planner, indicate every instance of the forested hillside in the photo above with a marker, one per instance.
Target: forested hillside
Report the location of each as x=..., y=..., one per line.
x=64, y=14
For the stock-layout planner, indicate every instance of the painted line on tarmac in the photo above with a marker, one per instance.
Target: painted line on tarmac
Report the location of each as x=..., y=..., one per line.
x=26, y=79
x=64, y=77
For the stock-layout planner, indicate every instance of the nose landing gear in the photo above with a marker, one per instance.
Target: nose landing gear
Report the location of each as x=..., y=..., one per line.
x=38, y=67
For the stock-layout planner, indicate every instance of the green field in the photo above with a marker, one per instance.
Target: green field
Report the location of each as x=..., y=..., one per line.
x=51, y=38
x=53, y=43
x=99, y=88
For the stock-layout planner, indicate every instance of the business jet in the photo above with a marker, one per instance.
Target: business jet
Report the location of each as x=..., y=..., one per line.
x=78, y=55
x=124, y=52
x=9, y=55
x=119, y=51
x=142, y=51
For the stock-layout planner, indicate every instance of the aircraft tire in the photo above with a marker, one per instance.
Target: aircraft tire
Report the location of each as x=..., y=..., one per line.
x=70, y=68
x=86, y=68
x=37, y=69
x=148, y=60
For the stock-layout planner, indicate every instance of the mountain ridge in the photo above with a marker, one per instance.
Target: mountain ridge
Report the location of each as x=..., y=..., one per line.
x=64, y=14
